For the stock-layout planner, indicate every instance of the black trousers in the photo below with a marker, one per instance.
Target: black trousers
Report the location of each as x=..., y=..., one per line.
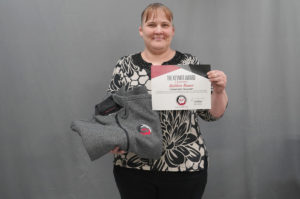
x=138, y=184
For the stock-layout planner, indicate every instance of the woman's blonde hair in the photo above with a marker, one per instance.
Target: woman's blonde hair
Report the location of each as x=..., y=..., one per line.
x=151, y=10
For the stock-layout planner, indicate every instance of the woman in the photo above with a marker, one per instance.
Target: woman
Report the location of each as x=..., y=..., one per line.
x=181, y=172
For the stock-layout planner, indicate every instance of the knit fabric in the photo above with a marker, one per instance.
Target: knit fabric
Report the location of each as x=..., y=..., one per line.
x=135, y=127
x=183, y=145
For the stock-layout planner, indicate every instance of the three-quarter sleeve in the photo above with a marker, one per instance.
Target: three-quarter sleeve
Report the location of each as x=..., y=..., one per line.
x=206, y=115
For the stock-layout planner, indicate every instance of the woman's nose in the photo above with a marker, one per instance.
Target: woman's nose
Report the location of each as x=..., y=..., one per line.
x=158, y=29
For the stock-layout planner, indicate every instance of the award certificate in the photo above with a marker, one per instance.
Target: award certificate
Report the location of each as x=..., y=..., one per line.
x=180, y=87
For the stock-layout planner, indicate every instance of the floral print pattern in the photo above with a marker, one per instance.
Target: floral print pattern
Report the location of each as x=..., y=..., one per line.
x=183, y=146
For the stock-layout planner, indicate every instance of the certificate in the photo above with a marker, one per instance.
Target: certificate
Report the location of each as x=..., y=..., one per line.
x=180, y=87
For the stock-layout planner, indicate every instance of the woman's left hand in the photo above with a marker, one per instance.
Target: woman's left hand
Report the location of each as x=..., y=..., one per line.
x=218, y=80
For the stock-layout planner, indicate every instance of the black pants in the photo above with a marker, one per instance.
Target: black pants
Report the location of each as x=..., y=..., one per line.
x=137, y=184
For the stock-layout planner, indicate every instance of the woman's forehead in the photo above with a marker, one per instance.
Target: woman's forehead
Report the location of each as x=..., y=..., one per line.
x=155, y=15
x=158, y=19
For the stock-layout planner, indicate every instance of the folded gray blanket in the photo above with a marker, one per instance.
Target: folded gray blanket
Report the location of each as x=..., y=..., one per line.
x=135, y=127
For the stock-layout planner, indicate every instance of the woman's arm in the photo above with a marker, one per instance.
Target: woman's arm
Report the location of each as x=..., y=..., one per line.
x=219, y=98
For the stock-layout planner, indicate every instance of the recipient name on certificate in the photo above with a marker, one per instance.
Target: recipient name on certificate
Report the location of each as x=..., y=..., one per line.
x=180, y=87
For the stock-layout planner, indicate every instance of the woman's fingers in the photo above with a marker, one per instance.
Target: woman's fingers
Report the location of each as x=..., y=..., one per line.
x=217, y=76
x=117, y=150
x=218, y=80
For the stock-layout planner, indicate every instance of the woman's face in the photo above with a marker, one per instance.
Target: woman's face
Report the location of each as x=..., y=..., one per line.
x=157, y=32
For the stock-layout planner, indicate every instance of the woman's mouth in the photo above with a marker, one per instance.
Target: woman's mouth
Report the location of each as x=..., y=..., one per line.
x=158, y=38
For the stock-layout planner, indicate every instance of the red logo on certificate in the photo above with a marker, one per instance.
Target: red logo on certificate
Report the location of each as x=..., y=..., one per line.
x=181, y=100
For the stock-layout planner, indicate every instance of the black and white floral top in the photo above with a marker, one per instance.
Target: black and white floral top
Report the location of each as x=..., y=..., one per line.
x=183, y=146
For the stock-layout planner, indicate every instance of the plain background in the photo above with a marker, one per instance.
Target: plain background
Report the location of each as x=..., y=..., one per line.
x=57, y=58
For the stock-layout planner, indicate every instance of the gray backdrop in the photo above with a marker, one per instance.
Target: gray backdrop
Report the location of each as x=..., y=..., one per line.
x=57, y=57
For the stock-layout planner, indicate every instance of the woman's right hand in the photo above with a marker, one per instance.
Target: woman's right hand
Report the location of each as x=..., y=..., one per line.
x=117, y=150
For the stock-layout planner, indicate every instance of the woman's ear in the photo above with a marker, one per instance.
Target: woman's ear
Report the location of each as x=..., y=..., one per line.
x=141, y=31
x=173, y=29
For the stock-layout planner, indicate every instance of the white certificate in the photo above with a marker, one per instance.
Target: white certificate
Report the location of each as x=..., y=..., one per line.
x=180, y=87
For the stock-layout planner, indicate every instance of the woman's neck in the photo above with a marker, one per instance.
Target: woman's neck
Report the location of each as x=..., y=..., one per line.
x=157, y=58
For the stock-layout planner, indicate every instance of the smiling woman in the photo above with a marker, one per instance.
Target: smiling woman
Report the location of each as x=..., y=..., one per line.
x=181, y=171
x=157, y=31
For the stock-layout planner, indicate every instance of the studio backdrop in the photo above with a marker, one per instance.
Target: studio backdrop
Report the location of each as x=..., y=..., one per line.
x=56, y=61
